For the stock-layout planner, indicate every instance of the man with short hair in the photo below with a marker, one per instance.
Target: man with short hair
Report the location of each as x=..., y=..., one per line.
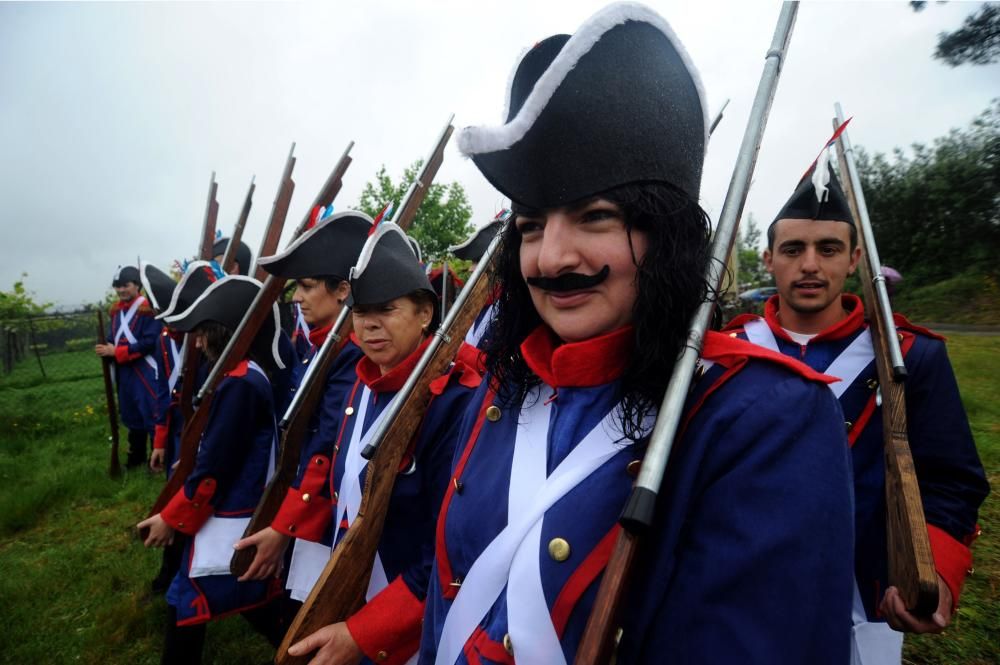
x=812, y=249
x=131, y=342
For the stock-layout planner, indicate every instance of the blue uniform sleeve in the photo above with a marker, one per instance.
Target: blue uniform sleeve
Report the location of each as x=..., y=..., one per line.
x=762, y=571
x=163, y=369
x=147, y=333
x=951, y=477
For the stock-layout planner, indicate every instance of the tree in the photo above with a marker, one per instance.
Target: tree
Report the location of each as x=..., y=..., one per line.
x=19, y=303
x=937, y=214
x=977, y=41
x=751, y=266
x=443, y=217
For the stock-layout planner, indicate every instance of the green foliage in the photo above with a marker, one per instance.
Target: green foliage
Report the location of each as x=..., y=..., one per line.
x=443, y=217
x=972, y=298
x=977, y=41
x=752, y=272
x=937, y=214
x=19, y=303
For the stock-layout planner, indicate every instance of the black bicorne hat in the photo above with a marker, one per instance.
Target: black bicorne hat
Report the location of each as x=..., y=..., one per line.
x=226, y=302
x=198, y=277
x=818, y=196
x=243, y=255
x=159, y=286
x=126, y=274
x=476, y=245
x=618, y=102
x=387, y=268
x=328, y=249
x=415, y=245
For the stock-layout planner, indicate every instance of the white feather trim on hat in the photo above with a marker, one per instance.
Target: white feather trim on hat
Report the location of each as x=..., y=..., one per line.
x=480, y=139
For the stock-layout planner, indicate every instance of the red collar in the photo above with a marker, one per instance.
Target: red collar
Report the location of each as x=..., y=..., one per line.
x=848, y=325
x=592, y=362
x=318, y=335
x=372, y=376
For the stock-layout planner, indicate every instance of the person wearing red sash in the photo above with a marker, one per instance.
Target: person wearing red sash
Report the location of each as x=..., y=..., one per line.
x=599, y=275
x=812, y=249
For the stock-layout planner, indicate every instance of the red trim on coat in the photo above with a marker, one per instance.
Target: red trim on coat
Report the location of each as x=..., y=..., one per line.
x=581, y=579
x=160, y=434
x=340, y=439
x=464, y=368
x=393, y=380
x=592, y=362
x=480, y=643
x=952, y=560
x=855, y=319
x=123, y=356
x=241, y=369
x=188, y=515
x=318, y=335
x=389, y=625
x=299, y=518
x=445, y=577
x=274, y=590
x=902, y=323
x=727, y=350
x=862, y=422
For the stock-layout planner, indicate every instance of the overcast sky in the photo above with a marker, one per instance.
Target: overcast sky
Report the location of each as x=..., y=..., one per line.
x=113, y=116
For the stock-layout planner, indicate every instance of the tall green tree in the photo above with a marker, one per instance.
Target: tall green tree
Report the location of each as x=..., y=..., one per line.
x=444, y=216
x=936, y=214
x=748, y=248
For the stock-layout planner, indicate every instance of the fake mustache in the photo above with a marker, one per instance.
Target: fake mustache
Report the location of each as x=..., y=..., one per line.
x=571, y=281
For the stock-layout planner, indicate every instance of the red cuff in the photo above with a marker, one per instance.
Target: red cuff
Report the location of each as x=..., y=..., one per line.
x=123, y=357
x=188, y=515
x=305, y=512
x=388, y=628
x=160, y=433
x=952, y=560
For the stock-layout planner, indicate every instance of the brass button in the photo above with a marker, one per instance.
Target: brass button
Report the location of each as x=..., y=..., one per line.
x=457, y=582
x=291, y=528
x=319, y=461
x=305, y=362
x=349, y=411
x=507, y=644
x=306, y=497
x=732, y=334
x=196, y=505
x=848, y=424
x=180, y=525
x=493, y=413
x=336, y=496
x=336, y=448
x=872, y=384
x=381, y=655
x=559, y=549
x=899, y=336
x=633, y=467
x=459, y=486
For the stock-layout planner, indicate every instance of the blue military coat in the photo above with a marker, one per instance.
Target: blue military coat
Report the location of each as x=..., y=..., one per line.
x=748, y=560
x=135, y=361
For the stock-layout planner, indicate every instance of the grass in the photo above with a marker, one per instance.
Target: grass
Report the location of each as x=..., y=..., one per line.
x=74, y=587
x=972, y=298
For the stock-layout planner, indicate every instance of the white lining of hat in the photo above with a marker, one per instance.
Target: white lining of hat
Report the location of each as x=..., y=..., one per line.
x=295, y=244
x=146, y=285
x=194, y=265
x=366, y=252
x=227, y=280
x=474, y=236
x=482, y=139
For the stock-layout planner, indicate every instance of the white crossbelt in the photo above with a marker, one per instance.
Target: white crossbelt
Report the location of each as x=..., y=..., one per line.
x=872, y=642
x=178, y=357
x=124, y=329
x=512, y=557
x=213, y=544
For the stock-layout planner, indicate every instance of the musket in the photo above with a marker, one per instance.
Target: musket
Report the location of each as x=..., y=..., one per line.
x=229, y=258
x=421, y=184
x=295, y=422
x=911, y=562
x=239, y=344
x=109, y=395
x=598, y=642
x=188, y=369
x=276, y=222
x=341, y=588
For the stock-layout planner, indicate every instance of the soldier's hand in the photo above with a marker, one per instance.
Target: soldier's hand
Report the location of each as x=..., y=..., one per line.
x=161, y=534
x=267, y=562
x=105, y=350
x=156, y=459
x=335, y=643
x=899, y=618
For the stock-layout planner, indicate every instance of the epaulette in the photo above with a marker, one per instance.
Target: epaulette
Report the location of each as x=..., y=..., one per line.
x=902, y=323
x=731, y=351
x=240, y=370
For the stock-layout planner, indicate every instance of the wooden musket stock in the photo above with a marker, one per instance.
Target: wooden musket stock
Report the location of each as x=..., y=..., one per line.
x=911, y=562
x=109, y=395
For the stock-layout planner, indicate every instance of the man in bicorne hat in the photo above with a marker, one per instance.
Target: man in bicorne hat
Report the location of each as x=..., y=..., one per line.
x=132, y=344
x=812, y=247
x=600, y=272
x=241, y=266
